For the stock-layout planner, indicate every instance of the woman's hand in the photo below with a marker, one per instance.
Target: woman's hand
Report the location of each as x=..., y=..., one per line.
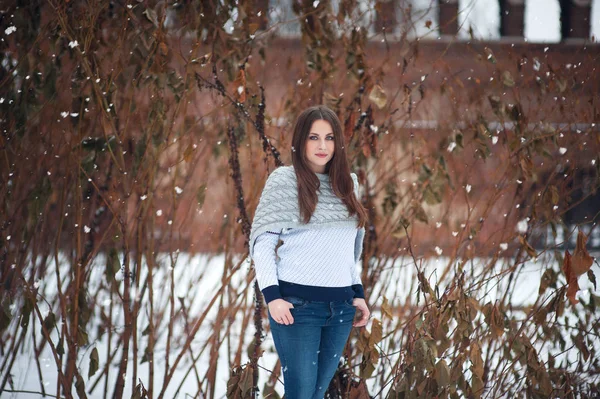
x=280, y=311
x=361, y=305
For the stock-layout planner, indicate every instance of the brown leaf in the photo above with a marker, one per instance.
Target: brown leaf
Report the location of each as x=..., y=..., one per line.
x=246, y=380
x=376, y=333
x=349, y=126
x=239, y=86
x=571, y=279
x=582, y=261
x=528, y=248
x=385, y=308
x=378, y=96
x=442, y=373
x=508, y=79
x=476, y=360
x=592, y=278
x=163, y=49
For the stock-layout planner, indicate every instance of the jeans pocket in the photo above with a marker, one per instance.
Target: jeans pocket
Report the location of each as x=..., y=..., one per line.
x=349, y=302
x=296, y=301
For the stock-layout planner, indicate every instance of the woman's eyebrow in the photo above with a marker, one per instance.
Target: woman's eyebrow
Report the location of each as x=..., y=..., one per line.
x=328, y=134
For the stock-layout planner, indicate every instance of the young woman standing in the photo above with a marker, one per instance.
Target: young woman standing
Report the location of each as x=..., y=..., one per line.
x=306, y=239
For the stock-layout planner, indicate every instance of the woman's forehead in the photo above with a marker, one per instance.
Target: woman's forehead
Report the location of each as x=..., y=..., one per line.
x=321, y=126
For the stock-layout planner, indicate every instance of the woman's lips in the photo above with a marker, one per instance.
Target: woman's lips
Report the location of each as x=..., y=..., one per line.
x=322, y=155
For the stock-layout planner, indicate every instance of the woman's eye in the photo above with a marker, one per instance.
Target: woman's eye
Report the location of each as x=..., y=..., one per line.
x=329, y=137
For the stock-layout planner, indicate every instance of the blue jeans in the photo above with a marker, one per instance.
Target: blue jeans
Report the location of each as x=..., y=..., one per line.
x=310, y=348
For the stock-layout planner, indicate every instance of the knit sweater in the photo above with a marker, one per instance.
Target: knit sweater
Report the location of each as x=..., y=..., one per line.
x=278, y=208
x=315, y=261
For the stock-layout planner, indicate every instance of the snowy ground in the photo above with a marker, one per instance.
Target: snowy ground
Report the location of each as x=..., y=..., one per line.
x=197, y=279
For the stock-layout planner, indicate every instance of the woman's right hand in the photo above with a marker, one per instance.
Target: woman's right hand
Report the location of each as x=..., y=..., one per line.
x=280, y=311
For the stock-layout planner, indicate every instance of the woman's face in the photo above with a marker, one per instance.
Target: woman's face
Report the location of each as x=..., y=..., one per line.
x=320, y=146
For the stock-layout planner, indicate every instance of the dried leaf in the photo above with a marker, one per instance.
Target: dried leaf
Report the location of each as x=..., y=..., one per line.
x=152, y=16
x=581, y=261
x=376, y=333
x=94, y=362
x=378, y=96
x=442, y=373
x=80, y=388
x=187, y=154
x=592, y=278
x=239, y=86
x=385, y=308
x=571, y=279
x=246, y=380
x=507, y=79
x=476, y=360
x=528, y=248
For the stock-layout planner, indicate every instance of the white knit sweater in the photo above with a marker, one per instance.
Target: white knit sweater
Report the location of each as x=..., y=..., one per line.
x=317, y=264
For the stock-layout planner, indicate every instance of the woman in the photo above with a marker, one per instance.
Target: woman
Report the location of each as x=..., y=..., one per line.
x=309, y=281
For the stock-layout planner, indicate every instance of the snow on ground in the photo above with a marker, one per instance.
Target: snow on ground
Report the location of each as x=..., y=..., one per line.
x=198, y=278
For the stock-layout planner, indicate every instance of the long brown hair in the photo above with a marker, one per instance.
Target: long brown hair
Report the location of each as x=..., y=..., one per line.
x=337, y=168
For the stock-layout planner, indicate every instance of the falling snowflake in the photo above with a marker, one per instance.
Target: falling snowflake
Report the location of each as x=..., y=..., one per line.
x=451, y=146
x=10, y=30
x=143, y=197
x=494, y=140
x=316, y=3
x=468, y=188
x=438, y=251
x=73, y=44
x=504, y=246
x=562, y=150
x=522, y=225
x=159, y=212
x=178, y=190
x=86, y=229
x=455, y=233
x=64, y=114
x=438, y=225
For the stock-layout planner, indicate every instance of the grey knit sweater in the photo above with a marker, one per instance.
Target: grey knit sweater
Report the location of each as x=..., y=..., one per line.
x=315, y=261
x=278, y=208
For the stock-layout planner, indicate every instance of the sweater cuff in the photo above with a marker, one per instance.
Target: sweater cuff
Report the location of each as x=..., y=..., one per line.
x=271, y=293
x=359, y=292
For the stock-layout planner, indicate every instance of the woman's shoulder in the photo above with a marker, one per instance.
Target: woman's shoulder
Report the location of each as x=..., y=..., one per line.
x=282, y=172
x=282, y=176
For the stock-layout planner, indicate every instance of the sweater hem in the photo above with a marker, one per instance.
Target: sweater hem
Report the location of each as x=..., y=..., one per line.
x=316, y=293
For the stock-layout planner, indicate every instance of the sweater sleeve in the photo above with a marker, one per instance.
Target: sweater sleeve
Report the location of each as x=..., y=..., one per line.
x=357, y=286
x=265, y=263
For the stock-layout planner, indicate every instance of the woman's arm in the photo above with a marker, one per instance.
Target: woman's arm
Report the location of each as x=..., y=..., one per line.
x=265, y=264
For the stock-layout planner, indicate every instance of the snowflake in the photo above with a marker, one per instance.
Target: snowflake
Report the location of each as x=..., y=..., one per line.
x=562, y=150
x=73, y=44
x=438, y=251
x=10, y=30
x=451, y=146
x=504, y=246
x=522, y=225
x=86, y=229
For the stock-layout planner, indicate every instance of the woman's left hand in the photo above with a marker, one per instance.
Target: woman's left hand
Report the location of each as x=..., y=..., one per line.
x=360, y=304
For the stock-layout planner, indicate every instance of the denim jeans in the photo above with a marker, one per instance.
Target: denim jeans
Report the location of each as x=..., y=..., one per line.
x=310, y=348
